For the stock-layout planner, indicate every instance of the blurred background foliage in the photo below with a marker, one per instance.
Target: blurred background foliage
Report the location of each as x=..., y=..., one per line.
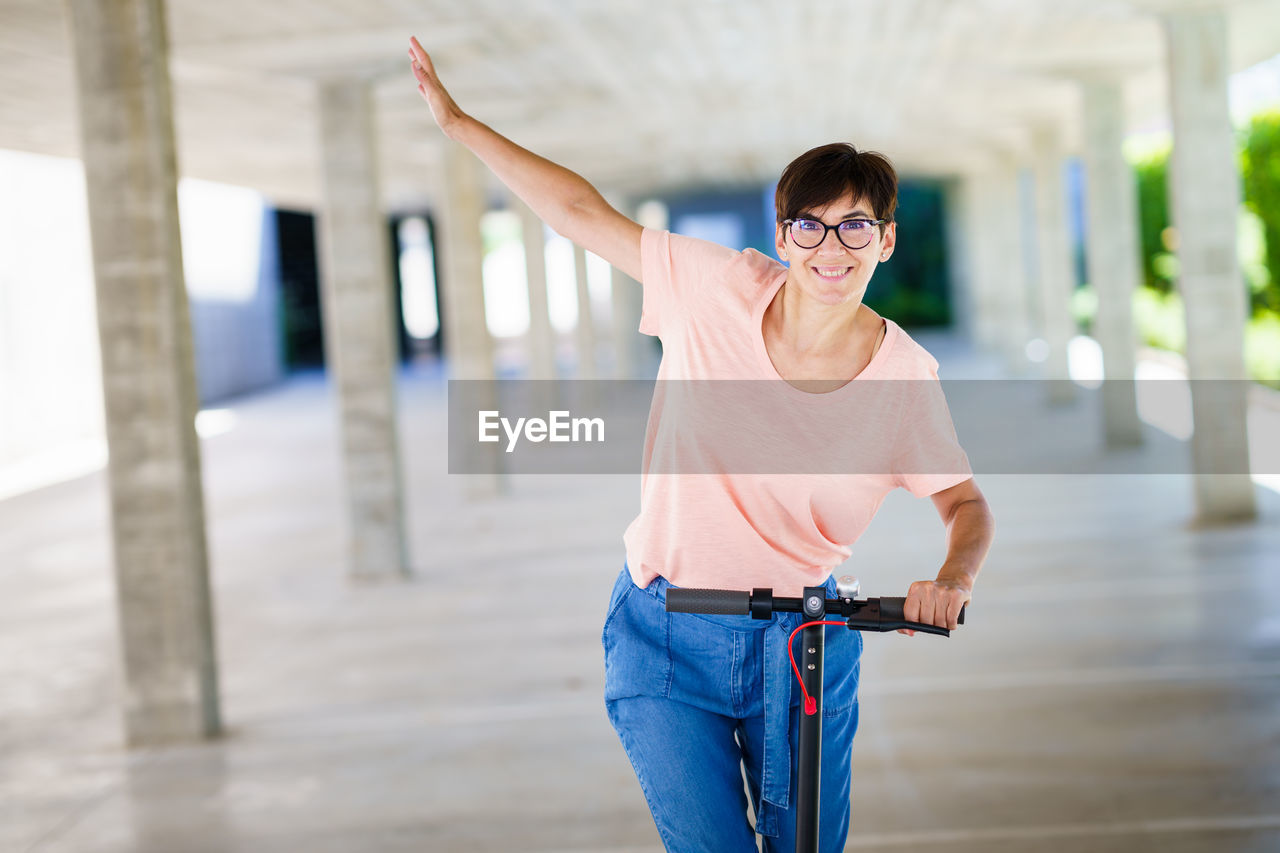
x=1260, y=168
x=1158, y=310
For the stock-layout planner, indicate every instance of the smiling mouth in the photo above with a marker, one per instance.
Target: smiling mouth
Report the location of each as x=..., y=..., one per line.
x=832, y=273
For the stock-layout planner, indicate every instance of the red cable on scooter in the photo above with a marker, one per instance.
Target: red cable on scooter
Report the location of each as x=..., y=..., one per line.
x=810, y=704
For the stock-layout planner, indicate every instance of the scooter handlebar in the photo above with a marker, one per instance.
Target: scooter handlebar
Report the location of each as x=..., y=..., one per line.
x=888, y=612
x=718, y=602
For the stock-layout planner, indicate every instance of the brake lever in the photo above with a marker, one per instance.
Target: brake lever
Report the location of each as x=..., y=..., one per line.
x=868, y=617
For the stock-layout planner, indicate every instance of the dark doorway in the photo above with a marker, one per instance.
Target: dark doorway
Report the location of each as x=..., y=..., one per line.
x=301, y=319
x=414, y=251
x=302, y=332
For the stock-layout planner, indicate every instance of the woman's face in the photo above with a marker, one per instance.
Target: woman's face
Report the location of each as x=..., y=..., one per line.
x=831, y=273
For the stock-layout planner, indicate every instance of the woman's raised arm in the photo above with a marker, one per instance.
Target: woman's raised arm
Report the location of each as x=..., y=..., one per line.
x=561, y=198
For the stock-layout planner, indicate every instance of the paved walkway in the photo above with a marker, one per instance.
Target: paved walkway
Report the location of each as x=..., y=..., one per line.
x=1117, y=687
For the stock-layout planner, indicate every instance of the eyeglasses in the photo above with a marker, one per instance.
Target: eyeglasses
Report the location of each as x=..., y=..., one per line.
x=853, y=233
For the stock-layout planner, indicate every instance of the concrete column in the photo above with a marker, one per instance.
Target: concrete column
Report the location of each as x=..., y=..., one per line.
x=978, y=231
x=1204, y=186
x=468, y=344
x=359, y=328
x=626, y=298
x=149, y=387
x=1112, y=252
x=1053, y=256
x=1006, y=229
x=960, y=256
x=542, y=343
x=586, y=330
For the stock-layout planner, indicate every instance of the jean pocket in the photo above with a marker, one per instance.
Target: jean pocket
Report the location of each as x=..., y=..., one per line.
x=622, y=588
x=707, y=662
x=636, y=638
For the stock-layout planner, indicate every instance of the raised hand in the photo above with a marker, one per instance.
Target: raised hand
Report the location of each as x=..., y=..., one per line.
x=443, y=108
x=561, y=198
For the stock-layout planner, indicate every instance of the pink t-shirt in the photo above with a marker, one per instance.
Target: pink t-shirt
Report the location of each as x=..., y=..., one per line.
x=774, y=484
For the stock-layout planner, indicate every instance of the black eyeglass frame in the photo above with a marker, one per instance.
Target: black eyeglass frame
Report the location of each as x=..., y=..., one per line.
x=835, y=228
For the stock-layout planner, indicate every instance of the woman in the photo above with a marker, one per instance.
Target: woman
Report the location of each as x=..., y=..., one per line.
x=696, y=700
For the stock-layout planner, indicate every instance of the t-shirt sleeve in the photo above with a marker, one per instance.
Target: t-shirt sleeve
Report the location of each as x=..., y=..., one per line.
x=927, y=453
x=673, y=268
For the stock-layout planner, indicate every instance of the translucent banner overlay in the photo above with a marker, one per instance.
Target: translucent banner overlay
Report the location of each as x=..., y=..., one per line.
x=876, y=427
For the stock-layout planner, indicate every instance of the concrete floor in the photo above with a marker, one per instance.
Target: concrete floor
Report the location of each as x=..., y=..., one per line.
x=1117, y=687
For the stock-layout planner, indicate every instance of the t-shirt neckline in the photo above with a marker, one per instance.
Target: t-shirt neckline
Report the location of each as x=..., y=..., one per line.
x=762, y=352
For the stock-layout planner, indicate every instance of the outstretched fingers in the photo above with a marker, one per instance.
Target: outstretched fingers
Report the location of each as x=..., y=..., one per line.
x=415, y=49
x=419, y=73
x=421, y=61
x=443, y=108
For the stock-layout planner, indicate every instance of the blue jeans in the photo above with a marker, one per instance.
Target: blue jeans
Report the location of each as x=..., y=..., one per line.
x=697, y=700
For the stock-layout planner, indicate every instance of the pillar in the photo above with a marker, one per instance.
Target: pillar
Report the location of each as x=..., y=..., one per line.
x=469, y=347
x=120, y=51
x=977, y=231
x=542, y=347
x=357, y=298
x=961, y=273
x=468, y=344
x=1204, y=186
x=1112, y=255
x=1004, y=227
x=1053, y=257
x=585, y=334
x=626, y=298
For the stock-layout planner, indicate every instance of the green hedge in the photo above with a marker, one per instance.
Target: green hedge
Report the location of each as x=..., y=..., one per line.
x=1260, y=170
x=1259, y=151
x=1157, y=304
x=1159, y=265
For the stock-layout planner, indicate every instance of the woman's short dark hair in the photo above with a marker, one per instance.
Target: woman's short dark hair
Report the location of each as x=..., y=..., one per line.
x=827, y=173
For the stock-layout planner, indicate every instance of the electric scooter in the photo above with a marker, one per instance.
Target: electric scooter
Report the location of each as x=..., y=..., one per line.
x=872, y=614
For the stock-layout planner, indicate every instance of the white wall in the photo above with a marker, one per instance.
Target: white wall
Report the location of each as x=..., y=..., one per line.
x=51, y=416
x=50, y=375
x=230, y=258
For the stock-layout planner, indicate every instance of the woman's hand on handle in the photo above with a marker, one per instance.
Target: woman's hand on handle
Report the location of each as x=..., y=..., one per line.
x=935, y=603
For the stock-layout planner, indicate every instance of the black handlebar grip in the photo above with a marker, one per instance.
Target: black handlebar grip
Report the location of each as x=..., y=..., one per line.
x=720, y=602
x=892, y=608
